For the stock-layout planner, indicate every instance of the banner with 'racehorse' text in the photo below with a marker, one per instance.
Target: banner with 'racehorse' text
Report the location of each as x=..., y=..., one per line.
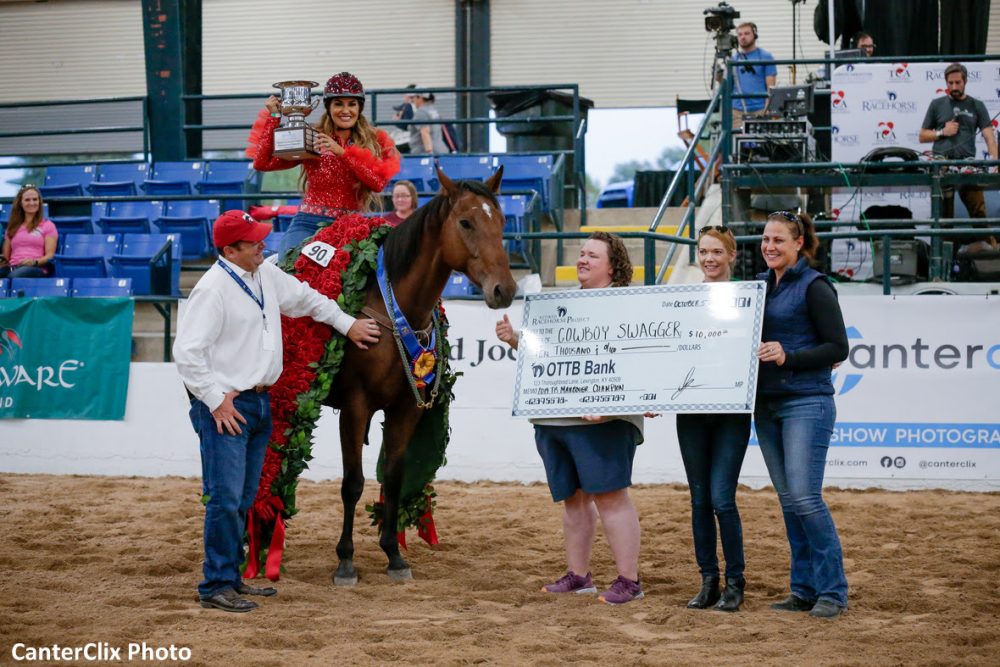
x=64, y=358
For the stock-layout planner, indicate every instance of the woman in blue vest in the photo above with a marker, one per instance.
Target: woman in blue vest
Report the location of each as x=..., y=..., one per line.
x=803, y=338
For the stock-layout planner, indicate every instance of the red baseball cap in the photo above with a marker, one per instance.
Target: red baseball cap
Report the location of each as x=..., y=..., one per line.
x=233, y=226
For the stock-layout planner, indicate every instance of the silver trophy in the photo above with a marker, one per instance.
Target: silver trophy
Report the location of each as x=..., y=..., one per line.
x=296, y=140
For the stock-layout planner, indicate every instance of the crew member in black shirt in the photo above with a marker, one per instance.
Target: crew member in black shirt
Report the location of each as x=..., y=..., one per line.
x=952, y=123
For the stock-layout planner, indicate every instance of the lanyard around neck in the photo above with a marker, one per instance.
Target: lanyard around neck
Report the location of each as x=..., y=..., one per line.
x=246, y=288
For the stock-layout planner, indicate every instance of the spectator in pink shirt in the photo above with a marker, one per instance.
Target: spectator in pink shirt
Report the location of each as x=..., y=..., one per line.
x=30, y=241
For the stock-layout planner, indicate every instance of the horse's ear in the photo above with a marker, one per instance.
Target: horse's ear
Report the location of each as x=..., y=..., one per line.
x=447, y=185
x=493, y=182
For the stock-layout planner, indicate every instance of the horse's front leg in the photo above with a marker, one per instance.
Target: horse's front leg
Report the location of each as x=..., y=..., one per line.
x=399, y=427
x=354, y=422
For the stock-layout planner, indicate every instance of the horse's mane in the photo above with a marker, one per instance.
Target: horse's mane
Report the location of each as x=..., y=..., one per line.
x=402, y=244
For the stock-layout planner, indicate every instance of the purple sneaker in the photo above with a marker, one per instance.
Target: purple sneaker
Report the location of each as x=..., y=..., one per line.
x=622, y=590
x=571, y=582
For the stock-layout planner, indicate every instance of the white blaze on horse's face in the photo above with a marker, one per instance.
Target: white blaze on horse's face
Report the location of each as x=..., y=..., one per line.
x=487, y=210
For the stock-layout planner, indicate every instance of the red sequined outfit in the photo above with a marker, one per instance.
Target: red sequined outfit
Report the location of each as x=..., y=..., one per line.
x=331, y=179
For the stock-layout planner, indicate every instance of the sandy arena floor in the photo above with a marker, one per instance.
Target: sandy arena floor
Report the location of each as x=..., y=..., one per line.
x=116, y=560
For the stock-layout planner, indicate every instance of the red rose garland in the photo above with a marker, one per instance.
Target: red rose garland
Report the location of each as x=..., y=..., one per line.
x=295, y=398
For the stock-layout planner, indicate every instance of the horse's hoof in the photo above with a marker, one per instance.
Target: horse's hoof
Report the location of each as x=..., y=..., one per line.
x=348, y=580
x=400, y=575
x=345, y=575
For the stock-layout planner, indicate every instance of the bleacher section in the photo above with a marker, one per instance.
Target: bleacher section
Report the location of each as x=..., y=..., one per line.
x=126, y=239
x=77, y=287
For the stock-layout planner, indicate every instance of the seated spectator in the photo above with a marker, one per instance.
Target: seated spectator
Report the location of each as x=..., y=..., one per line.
x=30, y=241
x=404, y=202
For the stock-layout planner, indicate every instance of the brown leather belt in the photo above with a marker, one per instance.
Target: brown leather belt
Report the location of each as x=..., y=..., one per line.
x=261, y=388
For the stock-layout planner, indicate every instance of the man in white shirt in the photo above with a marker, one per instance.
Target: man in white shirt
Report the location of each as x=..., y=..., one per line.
x=229, y=352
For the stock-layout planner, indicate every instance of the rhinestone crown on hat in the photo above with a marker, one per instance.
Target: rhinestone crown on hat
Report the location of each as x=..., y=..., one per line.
x=344, y=84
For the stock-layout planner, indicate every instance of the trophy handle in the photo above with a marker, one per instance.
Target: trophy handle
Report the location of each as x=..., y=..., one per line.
x=316, y=100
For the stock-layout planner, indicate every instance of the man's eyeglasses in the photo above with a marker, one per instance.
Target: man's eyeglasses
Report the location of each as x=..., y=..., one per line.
x=722, y=229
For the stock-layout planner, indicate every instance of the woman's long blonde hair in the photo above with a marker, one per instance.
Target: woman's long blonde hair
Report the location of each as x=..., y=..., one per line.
x=363, y=135
x=17, y=217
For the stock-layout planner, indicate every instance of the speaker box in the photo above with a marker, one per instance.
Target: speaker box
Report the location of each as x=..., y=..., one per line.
x=907, y=259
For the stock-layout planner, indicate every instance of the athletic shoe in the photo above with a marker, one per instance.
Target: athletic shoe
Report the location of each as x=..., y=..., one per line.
x=622, y=590
x=571, y=582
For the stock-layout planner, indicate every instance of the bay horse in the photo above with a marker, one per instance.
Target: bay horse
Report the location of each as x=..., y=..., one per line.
x=459, y=230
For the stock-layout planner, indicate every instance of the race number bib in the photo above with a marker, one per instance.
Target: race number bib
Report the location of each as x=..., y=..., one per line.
x=319, y=252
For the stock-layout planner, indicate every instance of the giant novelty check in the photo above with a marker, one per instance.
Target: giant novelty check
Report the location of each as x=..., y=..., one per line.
x=662, y=348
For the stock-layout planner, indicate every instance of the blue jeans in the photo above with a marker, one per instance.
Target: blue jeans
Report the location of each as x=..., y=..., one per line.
x=713, y=447
x=303, y=226
x=794, y=435
x=22, y=272
x=230, y=469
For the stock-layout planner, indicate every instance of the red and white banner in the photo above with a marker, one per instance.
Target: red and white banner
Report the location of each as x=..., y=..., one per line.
x=883, y=105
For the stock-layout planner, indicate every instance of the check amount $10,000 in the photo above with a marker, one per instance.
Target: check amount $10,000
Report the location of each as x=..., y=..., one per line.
x=683, y=348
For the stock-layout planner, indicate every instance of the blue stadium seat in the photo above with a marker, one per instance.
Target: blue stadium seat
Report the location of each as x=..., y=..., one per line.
x=4, y=287
x=528, y=172
x=140, y=260
x=515, y=208
x=272, y=243
x=119, y=179
x=423, y=199
x=35, y=287
x=192, y=220
x=130, y=217
x=419, y=171
x=72, y=224
x=86, y=255
x=68, y=180
x=467, y=167
x=101, y=287
x=460, y=286
x=173, y=178
x=229, y=177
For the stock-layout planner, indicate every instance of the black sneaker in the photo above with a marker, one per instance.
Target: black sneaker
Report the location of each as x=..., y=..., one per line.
x=793, y=603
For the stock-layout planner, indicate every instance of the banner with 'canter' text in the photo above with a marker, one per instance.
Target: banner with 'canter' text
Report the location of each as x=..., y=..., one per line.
x=64, y=358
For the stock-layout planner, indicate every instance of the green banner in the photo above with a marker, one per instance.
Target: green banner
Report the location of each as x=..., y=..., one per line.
x=64, y=358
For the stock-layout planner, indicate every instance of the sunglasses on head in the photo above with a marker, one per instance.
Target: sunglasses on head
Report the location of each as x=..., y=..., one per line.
x=722, y=229
x=790, y=217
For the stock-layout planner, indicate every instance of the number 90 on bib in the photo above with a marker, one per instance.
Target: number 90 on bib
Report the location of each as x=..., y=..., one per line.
x=319, y=252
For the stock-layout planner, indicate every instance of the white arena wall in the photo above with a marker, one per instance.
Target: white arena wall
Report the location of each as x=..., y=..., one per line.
x=932, y=424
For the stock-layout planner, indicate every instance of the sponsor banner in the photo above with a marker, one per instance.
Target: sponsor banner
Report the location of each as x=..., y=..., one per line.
x=916, y=397
x=64, y=358
x=916, y=394
x=883, y=104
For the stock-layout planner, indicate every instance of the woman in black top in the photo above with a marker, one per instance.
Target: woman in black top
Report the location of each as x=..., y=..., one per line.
x=713, y=447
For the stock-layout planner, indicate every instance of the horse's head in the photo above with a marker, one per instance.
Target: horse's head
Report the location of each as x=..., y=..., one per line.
x=472, y=237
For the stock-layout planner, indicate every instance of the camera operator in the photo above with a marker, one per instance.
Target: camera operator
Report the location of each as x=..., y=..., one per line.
x=751, y=78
